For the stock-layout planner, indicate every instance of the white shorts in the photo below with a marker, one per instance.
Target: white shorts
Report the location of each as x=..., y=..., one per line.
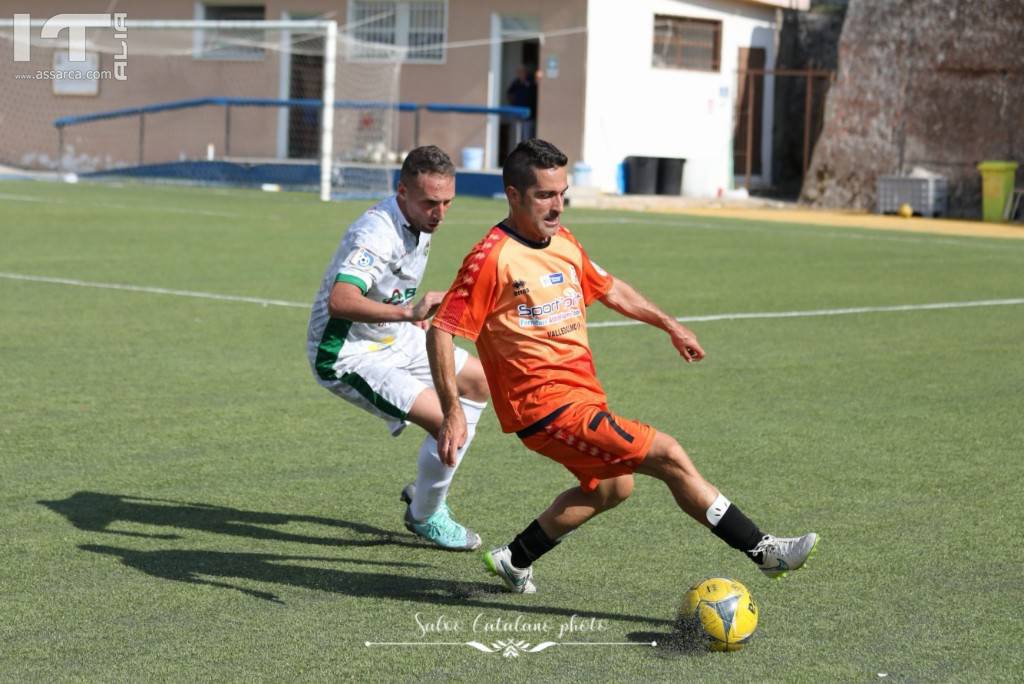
x=386, y=383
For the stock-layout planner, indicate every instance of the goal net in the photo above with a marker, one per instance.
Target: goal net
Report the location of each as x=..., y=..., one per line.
x=291, y=104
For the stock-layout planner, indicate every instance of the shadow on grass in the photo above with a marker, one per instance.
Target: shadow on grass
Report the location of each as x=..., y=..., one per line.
x=217, y=569
x=681, y=641
x=96, y=512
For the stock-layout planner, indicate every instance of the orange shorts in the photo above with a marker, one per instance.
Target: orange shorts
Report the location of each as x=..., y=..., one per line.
x=592, y=443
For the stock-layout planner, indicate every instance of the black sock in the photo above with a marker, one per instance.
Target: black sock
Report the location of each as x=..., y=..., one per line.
x=739, y=532
x=529, y=545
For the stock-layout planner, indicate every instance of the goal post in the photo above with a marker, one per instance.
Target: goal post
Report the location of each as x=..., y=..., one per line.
x=327, y=126
x=295, y=104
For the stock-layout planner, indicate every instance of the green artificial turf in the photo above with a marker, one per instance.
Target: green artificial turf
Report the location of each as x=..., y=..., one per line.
x=182, y=502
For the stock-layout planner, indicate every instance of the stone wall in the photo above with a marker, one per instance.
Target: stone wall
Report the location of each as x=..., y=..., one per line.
x=937, y=84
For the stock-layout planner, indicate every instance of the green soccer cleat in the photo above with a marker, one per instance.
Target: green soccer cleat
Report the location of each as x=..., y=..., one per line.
x=518, y=580
x=780, y=555
x=440, y=528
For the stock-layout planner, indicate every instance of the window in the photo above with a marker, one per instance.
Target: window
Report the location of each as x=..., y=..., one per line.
x=684, y=43
x=240, y=44
x=420, y=25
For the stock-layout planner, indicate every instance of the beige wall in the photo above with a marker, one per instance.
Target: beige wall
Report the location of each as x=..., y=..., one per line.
x=28, y=108
x=561, y=100
x=463, y=77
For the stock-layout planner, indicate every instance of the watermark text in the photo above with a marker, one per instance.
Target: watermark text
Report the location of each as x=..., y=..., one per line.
x=77, y=44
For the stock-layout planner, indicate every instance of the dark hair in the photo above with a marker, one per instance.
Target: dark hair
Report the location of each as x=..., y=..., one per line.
x=529, y=155
x=426, y=159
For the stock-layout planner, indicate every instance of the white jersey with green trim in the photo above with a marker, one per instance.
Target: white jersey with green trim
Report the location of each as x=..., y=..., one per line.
x=383, y=257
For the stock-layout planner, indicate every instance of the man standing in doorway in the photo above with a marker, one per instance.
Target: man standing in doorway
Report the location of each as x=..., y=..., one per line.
x=522, y=92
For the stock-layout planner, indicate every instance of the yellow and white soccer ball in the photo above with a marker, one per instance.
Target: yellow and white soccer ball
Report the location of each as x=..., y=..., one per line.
x=721, y=612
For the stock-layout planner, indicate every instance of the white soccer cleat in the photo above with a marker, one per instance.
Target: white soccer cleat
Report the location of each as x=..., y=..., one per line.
x=518, y=580
x=779, y=555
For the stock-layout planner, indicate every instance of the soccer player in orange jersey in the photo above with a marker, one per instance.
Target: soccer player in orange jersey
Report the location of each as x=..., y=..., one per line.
x=521, y=296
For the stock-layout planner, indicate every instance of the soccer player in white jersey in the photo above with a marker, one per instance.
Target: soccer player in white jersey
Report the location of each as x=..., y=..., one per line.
x=366, y=340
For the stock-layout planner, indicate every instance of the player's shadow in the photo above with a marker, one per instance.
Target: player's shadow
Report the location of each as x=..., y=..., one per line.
x=96, y=512
x=229, y=570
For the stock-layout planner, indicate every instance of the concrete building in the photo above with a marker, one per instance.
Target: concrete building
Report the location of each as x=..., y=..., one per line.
x=651, y=78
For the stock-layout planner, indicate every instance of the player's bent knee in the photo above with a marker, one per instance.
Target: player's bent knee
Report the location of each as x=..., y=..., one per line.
x=471, y=381
x=426, y=412
x=680, y=459
x=667, y=459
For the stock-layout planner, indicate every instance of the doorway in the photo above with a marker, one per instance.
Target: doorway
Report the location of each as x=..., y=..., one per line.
x=306, y=82
x=747, y=134
x=515, y=48
x=301, y=76
x=520, y=60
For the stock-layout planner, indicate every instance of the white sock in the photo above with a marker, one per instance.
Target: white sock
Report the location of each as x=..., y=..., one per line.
x=717, y=509
x=433, y=477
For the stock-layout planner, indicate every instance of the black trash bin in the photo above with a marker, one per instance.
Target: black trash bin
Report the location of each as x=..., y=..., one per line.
x=641, y=175
x=670, y=176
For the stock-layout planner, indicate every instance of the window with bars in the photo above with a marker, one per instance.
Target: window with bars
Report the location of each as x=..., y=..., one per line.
x=230, y=45
x=685, y=43
x=420, y=25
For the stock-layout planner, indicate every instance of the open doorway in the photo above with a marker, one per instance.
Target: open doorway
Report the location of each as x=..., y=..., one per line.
x=300, y=76
x=749, y=118
x=515, y=61
x=306, y=82
x=520, y=61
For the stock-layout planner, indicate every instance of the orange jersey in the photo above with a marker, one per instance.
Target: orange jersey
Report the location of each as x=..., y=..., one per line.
x=525, y=307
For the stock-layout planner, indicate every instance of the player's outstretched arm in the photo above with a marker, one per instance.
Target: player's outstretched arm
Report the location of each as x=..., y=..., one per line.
x=347, y=301
x=621, y=297
x=451, y=436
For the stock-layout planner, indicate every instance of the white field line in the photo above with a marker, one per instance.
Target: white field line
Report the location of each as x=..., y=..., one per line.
x=153, y=290
x=22, y=198
x=142, y=208
x=598, y=324
x=823, y=312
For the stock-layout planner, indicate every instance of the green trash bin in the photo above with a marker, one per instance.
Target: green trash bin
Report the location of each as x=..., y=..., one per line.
x=997, y=178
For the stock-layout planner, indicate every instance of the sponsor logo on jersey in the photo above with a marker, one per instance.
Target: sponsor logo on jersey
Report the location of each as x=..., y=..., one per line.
x=399, y=297
x=519, y=288
x=562, y=308
x=361, y=258
x=552, y=279
x=565, y=329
